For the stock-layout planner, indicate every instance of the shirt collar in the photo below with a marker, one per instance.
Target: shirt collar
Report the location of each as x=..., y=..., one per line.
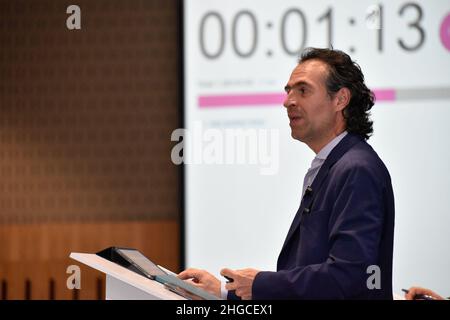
x=323, y=154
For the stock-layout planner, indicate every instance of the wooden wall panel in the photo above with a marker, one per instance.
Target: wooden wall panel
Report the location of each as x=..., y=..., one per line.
x=85, y=125
x=41, y=252
x=86, y=115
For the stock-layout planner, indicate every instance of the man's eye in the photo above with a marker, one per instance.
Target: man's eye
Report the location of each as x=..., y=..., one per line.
x=302, y=90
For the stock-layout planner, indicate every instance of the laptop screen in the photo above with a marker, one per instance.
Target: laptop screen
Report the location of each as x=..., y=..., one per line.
x=142, y=262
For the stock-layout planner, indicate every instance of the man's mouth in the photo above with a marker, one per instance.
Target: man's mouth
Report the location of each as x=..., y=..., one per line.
x=294, y=118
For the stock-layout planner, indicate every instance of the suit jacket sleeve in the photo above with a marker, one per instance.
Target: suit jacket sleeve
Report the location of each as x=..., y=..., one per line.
x=355, y=228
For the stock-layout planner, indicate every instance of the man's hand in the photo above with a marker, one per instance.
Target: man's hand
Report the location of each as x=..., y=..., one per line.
x=416, y=291
x=242, y=281
x=202, y=279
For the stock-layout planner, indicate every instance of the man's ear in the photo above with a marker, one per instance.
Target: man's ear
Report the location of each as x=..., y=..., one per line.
x=342, y=98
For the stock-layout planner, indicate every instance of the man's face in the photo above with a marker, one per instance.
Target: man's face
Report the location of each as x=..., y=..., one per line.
x=311, y=111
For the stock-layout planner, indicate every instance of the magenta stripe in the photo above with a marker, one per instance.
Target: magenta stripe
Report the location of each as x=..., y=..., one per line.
x=384, y=94
x=239, y=100
x=266, y=99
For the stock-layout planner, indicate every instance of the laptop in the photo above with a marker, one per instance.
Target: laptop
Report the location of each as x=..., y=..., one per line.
x=134, y=260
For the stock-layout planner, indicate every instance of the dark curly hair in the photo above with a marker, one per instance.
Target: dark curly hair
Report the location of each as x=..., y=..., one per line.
x=345, y=73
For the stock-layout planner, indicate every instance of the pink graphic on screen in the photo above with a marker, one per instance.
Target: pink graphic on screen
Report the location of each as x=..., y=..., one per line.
x=266, y=99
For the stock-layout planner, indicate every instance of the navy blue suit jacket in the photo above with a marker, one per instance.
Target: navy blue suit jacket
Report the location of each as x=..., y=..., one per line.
x=344, y=225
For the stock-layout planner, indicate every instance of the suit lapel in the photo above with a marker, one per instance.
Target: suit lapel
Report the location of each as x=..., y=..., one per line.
x=341, y=148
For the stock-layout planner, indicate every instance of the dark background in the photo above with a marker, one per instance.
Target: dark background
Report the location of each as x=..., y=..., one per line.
x=86, y=118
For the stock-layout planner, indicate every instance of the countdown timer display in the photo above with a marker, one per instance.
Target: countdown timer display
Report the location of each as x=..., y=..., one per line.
x=238, y=56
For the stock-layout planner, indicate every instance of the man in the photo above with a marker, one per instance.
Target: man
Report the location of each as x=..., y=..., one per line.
x=340, y=243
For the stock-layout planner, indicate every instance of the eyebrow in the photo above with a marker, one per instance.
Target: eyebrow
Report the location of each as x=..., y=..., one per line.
x=298, y=83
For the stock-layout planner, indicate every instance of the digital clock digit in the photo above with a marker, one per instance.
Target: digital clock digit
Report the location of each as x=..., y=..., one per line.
x=294, y=41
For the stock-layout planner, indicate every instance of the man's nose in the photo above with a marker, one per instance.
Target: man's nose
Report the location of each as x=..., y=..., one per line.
x=288, y=101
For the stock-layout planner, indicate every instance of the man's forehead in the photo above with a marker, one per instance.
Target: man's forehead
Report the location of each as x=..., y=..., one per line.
x=312, y=70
